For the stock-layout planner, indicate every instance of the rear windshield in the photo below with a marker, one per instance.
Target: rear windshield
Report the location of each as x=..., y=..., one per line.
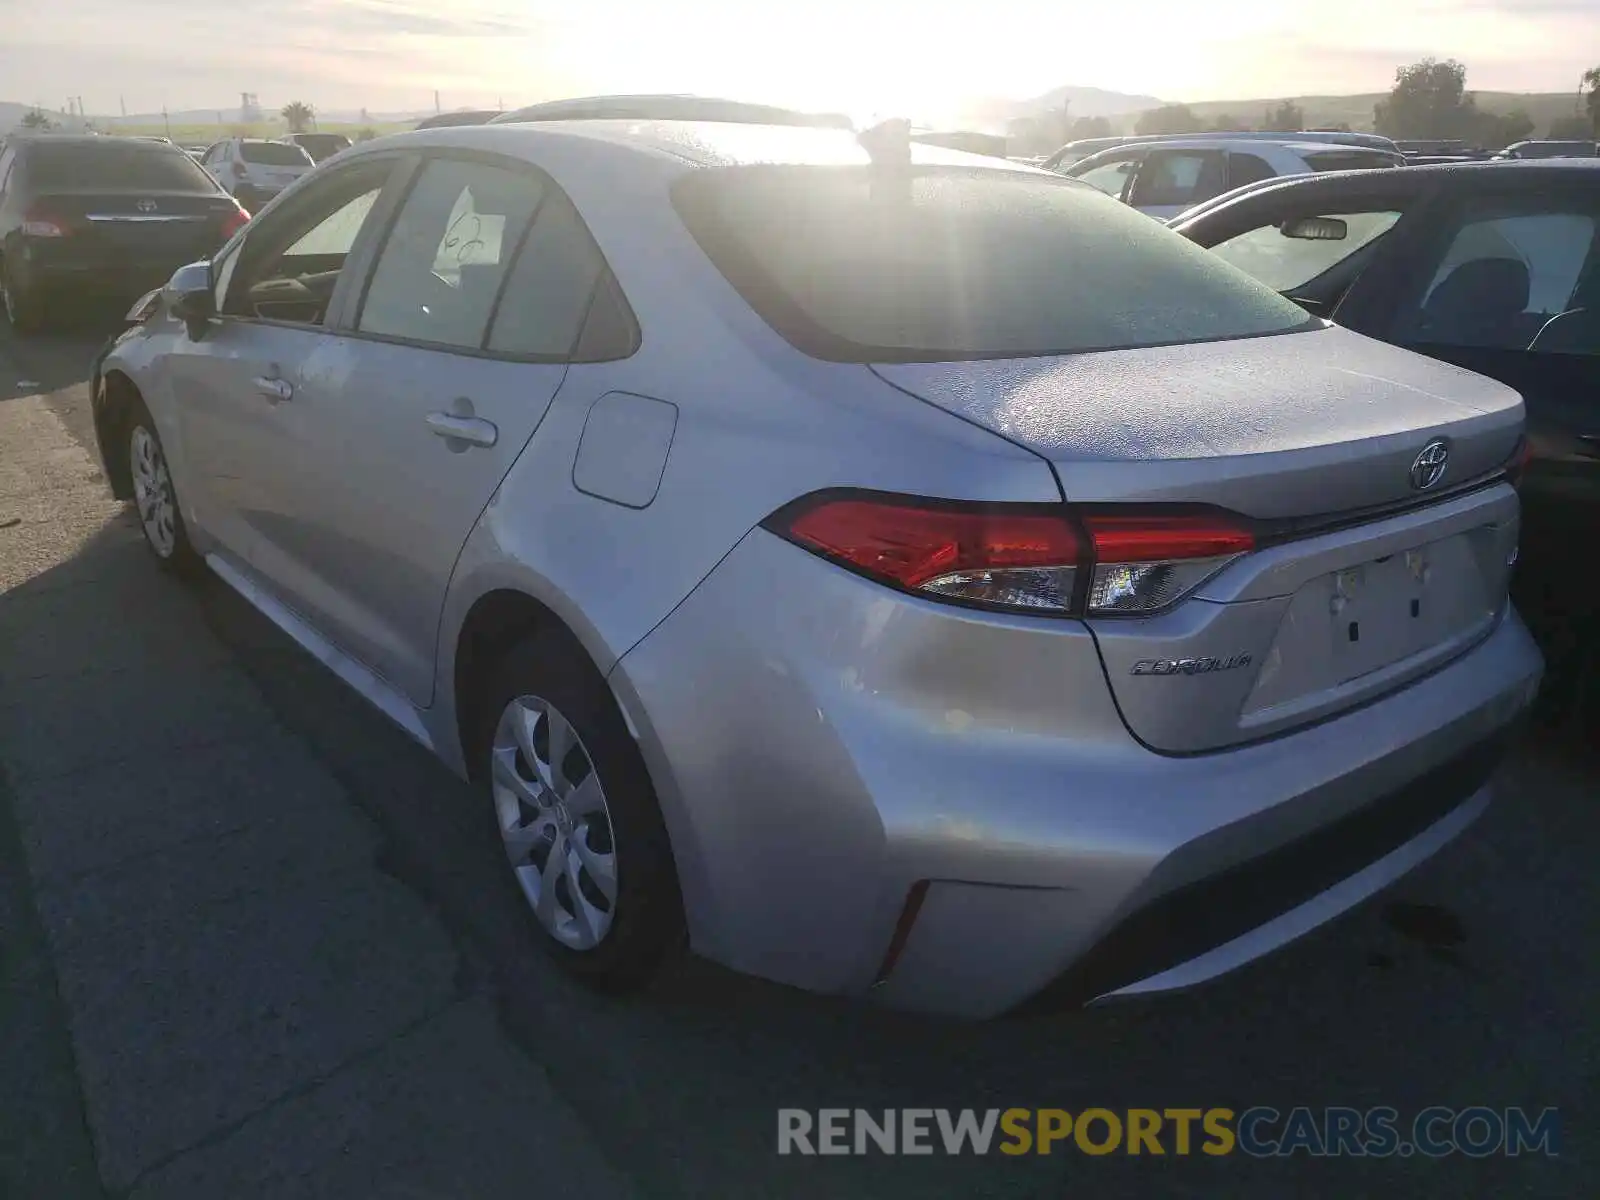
x=139, y=166
x=958, y=263
x=322, y=141
x=1349, y=160
x=275, y=154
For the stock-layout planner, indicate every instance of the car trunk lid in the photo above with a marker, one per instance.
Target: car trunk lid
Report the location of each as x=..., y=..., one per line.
x=1361, y=579
x=140, y=225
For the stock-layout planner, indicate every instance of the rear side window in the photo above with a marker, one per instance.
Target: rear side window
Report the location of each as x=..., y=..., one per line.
x=1348, y=160
x=548, y=293
x=1248, y=168
x=140, y=166
x=274, y=154
x=855, y=265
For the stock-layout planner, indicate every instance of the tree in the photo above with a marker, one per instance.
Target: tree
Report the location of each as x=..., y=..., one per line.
x=1429, y=100
x=1515, y=126
x=1571, y=129
x=1170, y=118
x=1089, y=127
x=299, y=114
x=36, y=120
x=1286, y=118
x=1228, y=123
x=1591, y=83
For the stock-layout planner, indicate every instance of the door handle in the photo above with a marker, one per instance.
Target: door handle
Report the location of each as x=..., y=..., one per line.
x=472, y=431
x=276, y=390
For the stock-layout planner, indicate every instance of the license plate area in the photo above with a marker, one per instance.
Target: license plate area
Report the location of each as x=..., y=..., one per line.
x=1415, y=604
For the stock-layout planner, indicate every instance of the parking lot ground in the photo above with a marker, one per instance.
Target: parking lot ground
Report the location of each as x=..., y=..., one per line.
x=253, y=944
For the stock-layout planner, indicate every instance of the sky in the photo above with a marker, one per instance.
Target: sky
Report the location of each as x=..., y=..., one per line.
x=864, y=57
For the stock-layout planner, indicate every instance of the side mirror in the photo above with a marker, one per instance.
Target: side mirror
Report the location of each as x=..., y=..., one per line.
x=1315, y=229
x=191, y=297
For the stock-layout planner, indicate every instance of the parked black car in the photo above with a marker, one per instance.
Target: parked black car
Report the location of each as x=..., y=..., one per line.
x=320, y=146
x=103, y=216
x=1494, y=267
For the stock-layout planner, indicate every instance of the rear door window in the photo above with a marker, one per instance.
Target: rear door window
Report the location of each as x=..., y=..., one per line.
x=1248, y=168
x=1505, y=272
x=137, y=166
x=1169, y=178
x=446, y=257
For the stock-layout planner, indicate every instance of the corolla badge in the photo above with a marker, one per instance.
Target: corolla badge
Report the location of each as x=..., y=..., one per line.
x=1429, y=466
x=147, y=206
x=1189, y=666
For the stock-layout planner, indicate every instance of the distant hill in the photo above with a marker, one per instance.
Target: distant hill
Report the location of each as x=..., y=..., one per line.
x=993, y=115
x=1356, y=111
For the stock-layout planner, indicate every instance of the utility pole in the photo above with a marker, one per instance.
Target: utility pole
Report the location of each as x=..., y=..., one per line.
x=166, y=124
x=436, y=107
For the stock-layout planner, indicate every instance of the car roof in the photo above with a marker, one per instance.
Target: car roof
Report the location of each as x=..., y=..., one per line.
x=669, y=106
x=93, y=139
x=1224, y=142
x=696, y=143
x=1466, y=176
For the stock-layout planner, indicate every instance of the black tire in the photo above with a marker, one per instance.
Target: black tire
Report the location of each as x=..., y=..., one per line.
x=23, y=307
x=647, y=925
x=180, y=557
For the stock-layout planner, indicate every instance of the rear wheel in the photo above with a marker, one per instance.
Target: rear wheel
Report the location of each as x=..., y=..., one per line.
x=577, y=817
x=23, y=306
x=156, y=496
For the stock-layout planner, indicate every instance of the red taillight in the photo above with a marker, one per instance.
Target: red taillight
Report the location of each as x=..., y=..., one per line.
x=235, y=221
x=1021, y=557
x=42, y=223
x=913, y=546
x=1138, y=537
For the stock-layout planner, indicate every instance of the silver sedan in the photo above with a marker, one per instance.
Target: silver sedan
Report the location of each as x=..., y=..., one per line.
x=884, y=570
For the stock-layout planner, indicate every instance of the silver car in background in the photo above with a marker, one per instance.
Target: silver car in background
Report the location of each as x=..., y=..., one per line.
x=880, y=569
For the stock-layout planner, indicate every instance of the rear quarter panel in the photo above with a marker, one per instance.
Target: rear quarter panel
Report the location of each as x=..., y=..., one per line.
x=758, y=425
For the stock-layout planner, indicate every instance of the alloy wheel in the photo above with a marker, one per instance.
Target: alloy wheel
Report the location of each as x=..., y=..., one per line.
x=551, y=809
x=152, y=491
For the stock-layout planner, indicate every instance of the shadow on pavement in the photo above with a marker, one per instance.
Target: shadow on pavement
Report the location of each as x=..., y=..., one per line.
x=681, y=1087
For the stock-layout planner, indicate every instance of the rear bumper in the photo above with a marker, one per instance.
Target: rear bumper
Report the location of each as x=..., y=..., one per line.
x=822, y=747
x=53, y=271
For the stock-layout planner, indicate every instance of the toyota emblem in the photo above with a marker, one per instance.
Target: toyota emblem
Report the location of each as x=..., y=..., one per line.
x=1429, y=466
x=147, y=206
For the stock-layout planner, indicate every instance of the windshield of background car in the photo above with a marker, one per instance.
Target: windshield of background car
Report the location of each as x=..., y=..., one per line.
x=275, y=154
x=858, y=264
x=1285, y=263
x=140, y=167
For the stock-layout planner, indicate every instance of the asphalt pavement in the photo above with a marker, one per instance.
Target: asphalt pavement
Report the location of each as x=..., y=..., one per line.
x=255, y=943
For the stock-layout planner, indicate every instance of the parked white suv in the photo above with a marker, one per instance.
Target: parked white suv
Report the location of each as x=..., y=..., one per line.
x=1164, y=179
x=255, y=170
